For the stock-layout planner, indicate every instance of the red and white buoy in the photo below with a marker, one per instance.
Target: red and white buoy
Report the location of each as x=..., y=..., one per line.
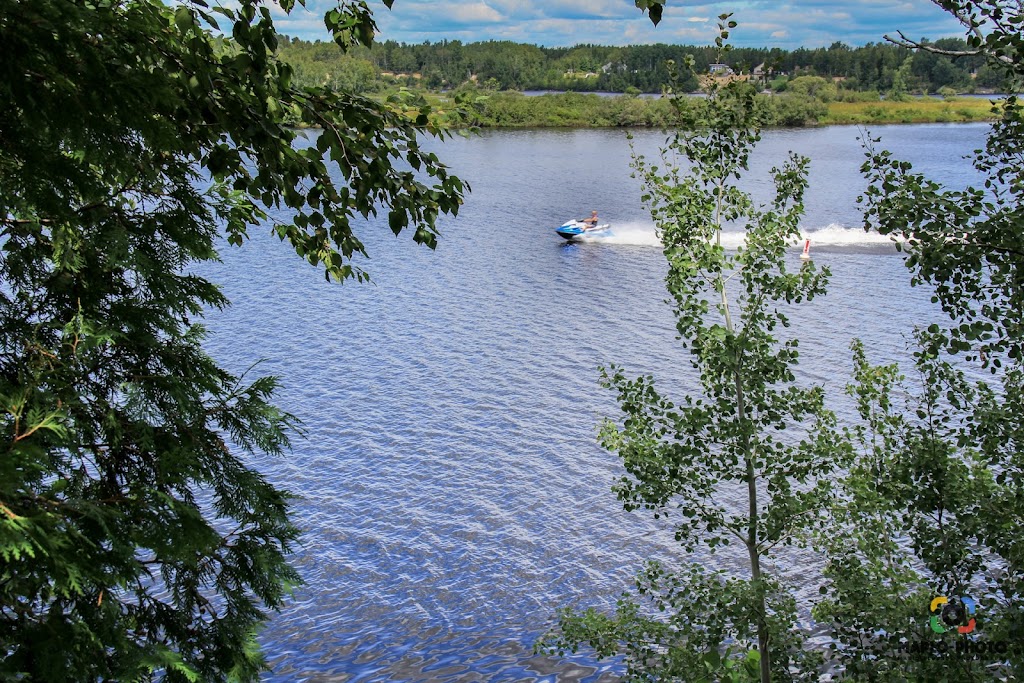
x=807, y=250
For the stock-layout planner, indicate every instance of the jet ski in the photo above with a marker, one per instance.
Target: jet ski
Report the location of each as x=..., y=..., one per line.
x=577, y=230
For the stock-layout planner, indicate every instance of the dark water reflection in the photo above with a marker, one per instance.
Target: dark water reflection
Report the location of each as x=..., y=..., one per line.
x=451, y=489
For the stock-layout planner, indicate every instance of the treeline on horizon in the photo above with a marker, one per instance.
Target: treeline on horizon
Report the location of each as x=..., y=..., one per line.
x=505, y=65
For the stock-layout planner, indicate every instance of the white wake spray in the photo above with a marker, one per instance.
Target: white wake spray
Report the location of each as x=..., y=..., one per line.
x=638, y=233
x=644, y=234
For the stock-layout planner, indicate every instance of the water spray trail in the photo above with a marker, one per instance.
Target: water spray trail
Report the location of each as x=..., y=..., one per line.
x=644, y=234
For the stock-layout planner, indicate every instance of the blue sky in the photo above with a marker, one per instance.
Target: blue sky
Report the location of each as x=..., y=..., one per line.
x=809, y=23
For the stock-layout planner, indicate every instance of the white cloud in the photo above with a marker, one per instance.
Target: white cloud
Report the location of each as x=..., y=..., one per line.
x=787, y=24
x=468, y=14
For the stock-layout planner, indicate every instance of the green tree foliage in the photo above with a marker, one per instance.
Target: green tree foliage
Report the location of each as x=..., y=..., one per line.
x=751, y=432
x=938, y=70
x=516, y=66
x=793, y=109
x=327, y=65
x=902, y=81
x=934, y=500
x=135, y=541
x=512, y=109
x=813, y=86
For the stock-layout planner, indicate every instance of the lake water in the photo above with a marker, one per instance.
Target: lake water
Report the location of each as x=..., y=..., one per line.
x=450, y=486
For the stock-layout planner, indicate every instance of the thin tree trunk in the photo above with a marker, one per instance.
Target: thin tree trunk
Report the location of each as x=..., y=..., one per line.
x=751, y=477
x=752, y=540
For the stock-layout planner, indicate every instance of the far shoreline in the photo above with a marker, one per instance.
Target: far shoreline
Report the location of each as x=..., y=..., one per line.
x=515, y=110
x=511, y=110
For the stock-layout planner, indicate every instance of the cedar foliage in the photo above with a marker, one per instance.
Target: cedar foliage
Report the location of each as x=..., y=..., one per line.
x=135, y=540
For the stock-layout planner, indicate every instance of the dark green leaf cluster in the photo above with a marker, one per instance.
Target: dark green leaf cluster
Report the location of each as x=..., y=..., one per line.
x=653, y=9
x=688, y=624
x=932, y=503
x=136, y=539
x=916, y=518
x=967, y=243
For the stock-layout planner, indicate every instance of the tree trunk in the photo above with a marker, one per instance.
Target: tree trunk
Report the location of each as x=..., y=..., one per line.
x=751, y=477
x=752, y=540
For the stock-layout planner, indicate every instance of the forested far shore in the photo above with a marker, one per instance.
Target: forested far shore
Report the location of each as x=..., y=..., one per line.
x=881, y=68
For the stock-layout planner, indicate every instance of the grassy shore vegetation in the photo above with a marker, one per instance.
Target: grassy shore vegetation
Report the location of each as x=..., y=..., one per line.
x=918, y=110
x=789, y=109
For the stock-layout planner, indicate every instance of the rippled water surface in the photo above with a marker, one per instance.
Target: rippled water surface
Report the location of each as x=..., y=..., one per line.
x=450, y=485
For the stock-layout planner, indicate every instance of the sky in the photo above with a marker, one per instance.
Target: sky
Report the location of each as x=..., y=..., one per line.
x=554, y=23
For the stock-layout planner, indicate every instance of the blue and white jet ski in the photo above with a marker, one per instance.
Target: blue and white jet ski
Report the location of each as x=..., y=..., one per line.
x=576, y=230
